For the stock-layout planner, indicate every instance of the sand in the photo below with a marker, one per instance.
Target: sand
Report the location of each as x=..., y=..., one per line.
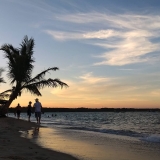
x=15, y=147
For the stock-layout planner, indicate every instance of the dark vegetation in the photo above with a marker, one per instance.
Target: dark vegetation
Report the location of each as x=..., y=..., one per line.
x=24, y=109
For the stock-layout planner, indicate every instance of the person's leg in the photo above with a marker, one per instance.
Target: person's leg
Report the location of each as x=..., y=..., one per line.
x=36, y=115
x=17, y=115
x=39, y=117
x=29, y=117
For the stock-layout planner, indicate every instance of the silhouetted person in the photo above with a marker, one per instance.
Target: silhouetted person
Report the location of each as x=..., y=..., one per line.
x=18, y=110
x=15, y=113
x=38, y=108
x=29, y=110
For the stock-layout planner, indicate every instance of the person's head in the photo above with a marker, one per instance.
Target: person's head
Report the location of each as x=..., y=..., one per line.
x=18, y=104
x=36, y=99
x=30, y=102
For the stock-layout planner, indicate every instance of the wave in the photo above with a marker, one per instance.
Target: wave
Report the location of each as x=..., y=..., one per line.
x=129, y=133
x=152, y=138
x=110, y=131
x=140, y=136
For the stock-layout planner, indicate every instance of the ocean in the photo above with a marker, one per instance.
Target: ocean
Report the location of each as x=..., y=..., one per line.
x=95, y=127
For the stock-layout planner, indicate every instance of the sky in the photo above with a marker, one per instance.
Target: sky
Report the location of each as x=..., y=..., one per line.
x=107, y=51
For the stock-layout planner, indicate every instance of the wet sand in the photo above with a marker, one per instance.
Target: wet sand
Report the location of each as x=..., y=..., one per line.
x=15, y=147
x=94, y=146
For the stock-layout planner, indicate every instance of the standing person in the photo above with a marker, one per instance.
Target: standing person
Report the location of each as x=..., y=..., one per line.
x=38, y=107
x=29, y=110
x=18, y=110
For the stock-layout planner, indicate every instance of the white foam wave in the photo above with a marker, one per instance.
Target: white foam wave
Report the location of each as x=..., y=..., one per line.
x=152, y=138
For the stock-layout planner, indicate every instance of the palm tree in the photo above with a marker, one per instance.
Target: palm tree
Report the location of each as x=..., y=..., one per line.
x=20, y=67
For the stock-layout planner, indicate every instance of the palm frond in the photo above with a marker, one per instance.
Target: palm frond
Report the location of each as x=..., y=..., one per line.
x=2, y=101
x=41, y=75
x=2, y=80
x=5, y=94
x=48, y=83
x=20, y=60
x=10, y=53
x=9, y=50
x=7, y=91
x=27, y=46
x=33, y=90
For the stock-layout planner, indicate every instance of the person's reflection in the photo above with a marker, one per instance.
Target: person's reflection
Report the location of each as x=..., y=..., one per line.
x=35, y=131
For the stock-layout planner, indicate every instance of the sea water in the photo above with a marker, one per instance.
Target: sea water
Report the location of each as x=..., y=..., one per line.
x=143, y=127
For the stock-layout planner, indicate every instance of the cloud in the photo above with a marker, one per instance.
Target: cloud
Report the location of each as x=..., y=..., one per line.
x=114, y=20
x=156, y=93
x=128, y=38
x=90, y=90
x=130, y=49
x=86, y=84
x=102, y=34
x=89, y=78
x=61, y=36
x=94, y=87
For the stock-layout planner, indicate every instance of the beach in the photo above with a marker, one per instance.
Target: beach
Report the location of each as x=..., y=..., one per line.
x=85, y=146
x=23, y=140
x=15, y=147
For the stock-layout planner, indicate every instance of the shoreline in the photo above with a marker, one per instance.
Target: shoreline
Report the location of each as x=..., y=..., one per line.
x=14, y=146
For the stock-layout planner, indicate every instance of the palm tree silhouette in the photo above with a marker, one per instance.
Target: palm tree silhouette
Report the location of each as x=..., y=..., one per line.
x=20, y=67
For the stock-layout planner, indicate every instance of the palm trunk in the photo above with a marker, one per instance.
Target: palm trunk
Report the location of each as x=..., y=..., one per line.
x=4, y=108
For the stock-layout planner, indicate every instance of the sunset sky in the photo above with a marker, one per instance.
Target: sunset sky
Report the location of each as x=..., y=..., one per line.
x=108, y=51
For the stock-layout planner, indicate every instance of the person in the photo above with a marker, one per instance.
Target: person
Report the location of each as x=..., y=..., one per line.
x=29, y=110
x=15, y=113
x=38, y=108
x=18, y=110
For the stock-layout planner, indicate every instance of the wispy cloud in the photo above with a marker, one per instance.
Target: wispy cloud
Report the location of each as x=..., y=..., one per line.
x=89, y=78
x=94, y=87
x=130, y=49
x=61, y=36
x=156, y=93
x=127, y=38
x=126, y=20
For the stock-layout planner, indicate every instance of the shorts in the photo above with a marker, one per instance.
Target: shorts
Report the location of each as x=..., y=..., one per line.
x=38, y=114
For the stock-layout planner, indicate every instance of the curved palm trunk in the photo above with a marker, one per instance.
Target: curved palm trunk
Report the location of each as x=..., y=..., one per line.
x=4, y=108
